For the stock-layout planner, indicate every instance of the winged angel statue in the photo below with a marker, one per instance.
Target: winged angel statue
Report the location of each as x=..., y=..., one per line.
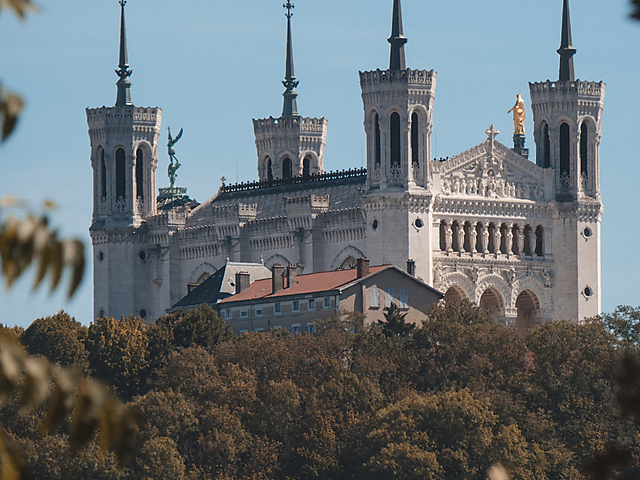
x=173, y=167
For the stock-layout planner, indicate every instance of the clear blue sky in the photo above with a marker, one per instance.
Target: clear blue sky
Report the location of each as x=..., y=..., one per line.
x=212, y=66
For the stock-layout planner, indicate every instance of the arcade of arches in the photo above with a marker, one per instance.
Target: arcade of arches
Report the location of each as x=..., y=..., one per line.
x=527, y=306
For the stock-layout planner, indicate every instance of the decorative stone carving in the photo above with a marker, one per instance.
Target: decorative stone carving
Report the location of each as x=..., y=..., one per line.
x=547, y=275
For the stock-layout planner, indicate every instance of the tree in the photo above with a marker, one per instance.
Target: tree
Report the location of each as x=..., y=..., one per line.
x=118, y=353
x=60, y=338
x=624, y=323
x=394, y=322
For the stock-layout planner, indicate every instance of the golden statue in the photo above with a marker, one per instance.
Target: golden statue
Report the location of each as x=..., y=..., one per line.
x=518, y=116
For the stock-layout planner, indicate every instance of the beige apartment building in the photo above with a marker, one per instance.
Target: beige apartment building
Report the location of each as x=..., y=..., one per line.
x=296, y=302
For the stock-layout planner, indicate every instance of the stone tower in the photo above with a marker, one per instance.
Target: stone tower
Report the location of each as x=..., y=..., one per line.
x=567, y=117
x=398, y=105
x=124, y=157
x=290, y=146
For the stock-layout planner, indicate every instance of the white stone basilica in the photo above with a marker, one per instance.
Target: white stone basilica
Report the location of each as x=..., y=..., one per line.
x=521, y=239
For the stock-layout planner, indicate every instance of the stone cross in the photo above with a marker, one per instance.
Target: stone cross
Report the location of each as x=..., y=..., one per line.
x=492, y=133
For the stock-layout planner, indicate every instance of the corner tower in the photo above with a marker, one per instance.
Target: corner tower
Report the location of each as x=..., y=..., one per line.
x=567, y=117
x=290, y=146
x=398, y=121
x=124, y=157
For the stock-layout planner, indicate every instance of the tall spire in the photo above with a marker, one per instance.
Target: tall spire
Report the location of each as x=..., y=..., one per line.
x=124, y=85
x=290, y=107
x=397, y=40
x=566, y=49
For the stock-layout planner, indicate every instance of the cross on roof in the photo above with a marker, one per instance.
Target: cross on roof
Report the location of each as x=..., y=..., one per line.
x=289, y=6
x=492, y=133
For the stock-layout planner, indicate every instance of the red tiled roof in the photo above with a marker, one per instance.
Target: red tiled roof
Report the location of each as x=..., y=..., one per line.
x=310, y=283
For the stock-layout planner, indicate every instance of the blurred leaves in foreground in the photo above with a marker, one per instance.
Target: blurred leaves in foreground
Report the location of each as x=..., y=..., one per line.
x=28, y=241
x=20, y=7
x=93, y=407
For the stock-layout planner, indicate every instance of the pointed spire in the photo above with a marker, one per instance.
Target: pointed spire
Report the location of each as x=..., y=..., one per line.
x=290, y=107
x=397, y=40
x=124, y=85
x=566, y=49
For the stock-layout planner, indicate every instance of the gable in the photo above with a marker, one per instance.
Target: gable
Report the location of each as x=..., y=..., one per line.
x=491, y=170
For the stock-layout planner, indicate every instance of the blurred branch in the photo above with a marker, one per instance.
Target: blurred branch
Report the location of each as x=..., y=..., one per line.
x=20, y=7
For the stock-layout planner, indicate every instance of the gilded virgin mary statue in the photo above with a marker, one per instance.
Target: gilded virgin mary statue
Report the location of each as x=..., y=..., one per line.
x=518, y=116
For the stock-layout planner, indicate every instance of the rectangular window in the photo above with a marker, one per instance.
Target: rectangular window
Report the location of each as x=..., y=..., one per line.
x=296, y=305
x=327, y=302
x=295, y=329
x=277, y=327
x=312, y=304
x=388, y=297
x=243, y=331
x=258, y=312
x=227, y=313
x=374, y=297
x=404, y=298
x=260, y=329
x=244, y=314
x=278, y=308
x=311, y=327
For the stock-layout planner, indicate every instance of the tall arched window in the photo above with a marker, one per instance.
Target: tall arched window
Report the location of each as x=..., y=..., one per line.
x=287, y=168
x=268, y=169
x=306, y=167
x=396, y=150
x=103, y=175
x=584, y=149
x=415, y=136
x=121, y=170
x=139, y=173
x=376, y=140
x=546, y=146
x=565, y=151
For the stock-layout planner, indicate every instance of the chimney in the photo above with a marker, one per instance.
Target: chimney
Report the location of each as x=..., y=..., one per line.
x=411, y=267
x=243, y=281
x=277, y=278
x=292, y=274
x=363, y=267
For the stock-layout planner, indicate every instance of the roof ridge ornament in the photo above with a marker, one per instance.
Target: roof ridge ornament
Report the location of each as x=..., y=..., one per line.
x=290, y=105
x=124, y=84
x=397, y=40
x=566, y=50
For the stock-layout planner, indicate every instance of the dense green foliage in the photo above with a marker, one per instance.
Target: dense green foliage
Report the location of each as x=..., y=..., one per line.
x=441, y=401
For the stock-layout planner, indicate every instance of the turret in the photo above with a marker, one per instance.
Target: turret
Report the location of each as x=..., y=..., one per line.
x=290, y=146
x=398, y=122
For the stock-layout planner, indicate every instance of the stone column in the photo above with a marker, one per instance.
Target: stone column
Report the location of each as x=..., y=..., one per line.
x=460, y=236
x=533, y=241
x=448, y=235
x=509, y=238
x=497, y=237
x=485, y=238
x=520, y=240
x=473, y=236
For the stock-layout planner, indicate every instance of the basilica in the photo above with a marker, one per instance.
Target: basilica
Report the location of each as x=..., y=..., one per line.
x=517, y=237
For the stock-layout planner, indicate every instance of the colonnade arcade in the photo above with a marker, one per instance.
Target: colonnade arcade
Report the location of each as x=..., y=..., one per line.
x=486, y=237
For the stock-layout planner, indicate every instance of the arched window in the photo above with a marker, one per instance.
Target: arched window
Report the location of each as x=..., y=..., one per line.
x=565, y=151
x=268, y=168
x=415, y=135
x=396, y=151
x=546, y=146
x=584, y=149
x=287, y=168
x=139, y=173
x=376, y=140
x=443, y=241
x=121, y=171
x=103, y=175
x=539, y=241
x=306, y=167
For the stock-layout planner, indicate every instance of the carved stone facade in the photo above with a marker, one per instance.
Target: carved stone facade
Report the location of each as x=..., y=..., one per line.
x=520, y=239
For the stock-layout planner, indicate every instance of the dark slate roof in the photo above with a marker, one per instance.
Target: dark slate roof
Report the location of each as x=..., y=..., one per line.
x=344, y=193
x=208, y=292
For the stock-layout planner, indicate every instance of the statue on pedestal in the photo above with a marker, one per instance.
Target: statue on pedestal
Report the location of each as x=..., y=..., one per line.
x=518, y=116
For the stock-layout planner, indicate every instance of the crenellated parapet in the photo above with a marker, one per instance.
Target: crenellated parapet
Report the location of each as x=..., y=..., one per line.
x=418, y=78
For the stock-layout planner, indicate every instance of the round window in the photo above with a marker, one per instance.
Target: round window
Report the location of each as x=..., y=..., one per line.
x=587, y=232
x=375, y=224
x=419, y=223
x=143, y=313
x=587, y=292
x=142, y=255
x=101, y=256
